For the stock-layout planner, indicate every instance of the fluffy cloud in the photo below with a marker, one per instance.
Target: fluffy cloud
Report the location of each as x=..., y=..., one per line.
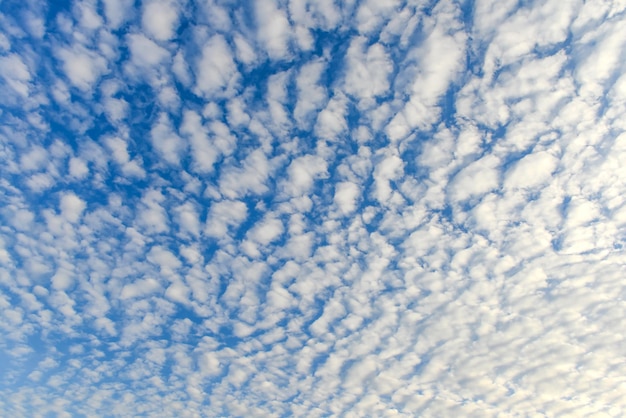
x=303, y=171
x=274, y=30
x=346, y=195
x=224, y=214
x=368, y=69
x=16, y=73
x=531, y=171
x=476, y=179
x=160, y=19
x=165, y=141
x=146, y=53
x=216, y=73
x=72, y=207
x=82, y=67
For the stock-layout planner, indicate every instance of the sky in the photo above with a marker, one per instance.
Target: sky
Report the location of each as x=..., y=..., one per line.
x=312, y=208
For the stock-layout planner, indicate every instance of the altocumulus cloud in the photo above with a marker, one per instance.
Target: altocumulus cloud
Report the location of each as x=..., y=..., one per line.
x=312, y=208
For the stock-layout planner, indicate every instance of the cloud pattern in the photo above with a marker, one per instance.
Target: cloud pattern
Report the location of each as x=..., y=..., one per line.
x=312, y=208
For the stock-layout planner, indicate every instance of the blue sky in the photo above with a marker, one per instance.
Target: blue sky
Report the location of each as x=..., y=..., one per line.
x=312, y=208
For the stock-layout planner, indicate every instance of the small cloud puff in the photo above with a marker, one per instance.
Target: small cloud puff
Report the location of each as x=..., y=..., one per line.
x=216, y=72
x=160, y=19
x=72, y=207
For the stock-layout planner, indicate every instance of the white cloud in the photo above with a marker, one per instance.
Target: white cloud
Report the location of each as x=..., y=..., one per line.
x=368, y=69
x=82, y=67
x=244, y=51
x=140, y=288
x=515, y=30
x=117, y=11
x=78, y=168
x=72, y=207
x=118, y=148
x=251, y=178
x=160, y=19
x=166, y=142
x=601, y=62
x=532, y=170
x=274, y=30
x=303, y=171
x=169, y=98
x=311, y=95
x=323, y=14
x=40, y=182
x=223, y=215
x=89, y=18
x=165, y=259
x=390, y=168
x=204, y=154
x=63, y=279
x=146, y=53
x=331, y=121
x=371, y=14
x=188, y=219
x=476, y=179
x=432, y=66
x=266, y=231
x=237, y=115
x=276, y=98
x=441, y=59
x=16, y=73
x=35, y=159
x=217, y=15
x=346, y=195
x=35, y=24
x=216, y=72
x=116, y=109
x=152, y=215
x=178, y=292
x=180, y=68
x=223, y=137
x=5, y=44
